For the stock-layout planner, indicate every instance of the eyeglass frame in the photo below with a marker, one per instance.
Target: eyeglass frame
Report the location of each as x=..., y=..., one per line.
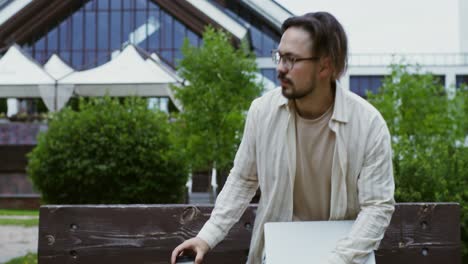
x=277, y=57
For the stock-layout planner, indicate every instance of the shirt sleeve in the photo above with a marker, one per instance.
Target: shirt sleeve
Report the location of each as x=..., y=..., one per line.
x=240, y=187
x=376, y=190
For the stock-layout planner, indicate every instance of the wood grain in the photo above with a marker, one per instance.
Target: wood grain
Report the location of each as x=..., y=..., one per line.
x=418, y=233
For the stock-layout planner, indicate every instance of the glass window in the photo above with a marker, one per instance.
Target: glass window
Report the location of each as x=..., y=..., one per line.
x=193, y=38
x=179, y=34
x=87, y=37
x=461, y=80
x=141, y=30
x=361, y=84
x=103, y=30
x=141, y=4
x=90, y=30
x=90, y=6
x=152, y=7
x=90, y=59
x=77, y=35
x=128, y=5
x=256, y=36
x=102, y=57
x=128, y=25
x=52, y=39
x=77, y=60
x=270, y=74
x=64, y=43
x=65, y=56
x=264, y=38
x=268, y=45
x=40, y=45
x=167, y=56
x=103, y=4
x=167, y=31
x=116, y=30
x=116, y=4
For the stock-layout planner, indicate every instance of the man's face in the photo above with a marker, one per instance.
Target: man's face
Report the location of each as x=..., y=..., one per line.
x=299, y=81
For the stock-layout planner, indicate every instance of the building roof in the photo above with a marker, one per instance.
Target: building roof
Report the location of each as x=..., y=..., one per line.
x=270, y=10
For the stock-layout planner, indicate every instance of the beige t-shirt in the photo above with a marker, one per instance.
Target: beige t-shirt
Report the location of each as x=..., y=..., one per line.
x=312, y=186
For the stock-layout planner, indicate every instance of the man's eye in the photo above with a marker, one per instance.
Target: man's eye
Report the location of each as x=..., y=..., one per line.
x=288, y=58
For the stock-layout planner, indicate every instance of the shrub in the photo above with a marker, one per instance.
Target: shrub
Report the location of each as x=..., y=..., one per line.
x=428, y=130
x=107, y=152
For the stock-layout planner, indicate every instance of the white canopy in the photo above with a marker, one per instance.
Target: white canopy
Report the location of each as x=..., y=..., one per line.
x=126, y=75
x=55, y=97
x=57, y=68
x=21, y=76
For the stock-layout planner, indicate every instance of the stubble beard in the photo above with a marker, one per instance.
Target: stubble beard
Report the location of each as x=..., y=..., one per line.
x=291, y=93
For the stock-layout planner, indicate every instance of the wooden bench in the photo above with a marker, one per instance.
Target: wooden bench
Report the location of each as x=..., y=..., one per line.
x=418, y=233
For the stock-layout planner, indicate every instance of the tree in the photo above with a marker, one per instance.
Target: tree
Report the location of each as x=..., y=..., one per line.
x=108, y=152
x=428, y=130
x=220, y=84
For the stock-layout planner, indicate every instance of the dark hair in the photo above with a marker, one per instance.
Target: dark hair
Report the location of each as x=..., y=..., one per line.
x=328, y=36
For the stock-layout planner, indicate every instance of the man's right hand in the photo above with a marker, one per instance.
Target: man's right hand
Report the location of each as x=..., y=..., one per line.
x=197, y=245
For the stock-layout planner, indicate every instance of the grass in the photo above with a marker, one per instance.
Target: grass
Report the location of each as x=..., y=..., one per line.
x=30, y=258
x=19, y=212
x=20, y=222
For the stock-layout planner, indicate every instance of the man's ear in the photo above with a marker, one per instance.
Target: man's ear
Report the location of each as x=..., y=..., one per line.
x=326, y=68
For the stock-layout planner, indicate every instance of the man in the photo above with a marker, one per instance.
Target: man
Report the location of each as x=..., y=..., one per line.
x=317, y=151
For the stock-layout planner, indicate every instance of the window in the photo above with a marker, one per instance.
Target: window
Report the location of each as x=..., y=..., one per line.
x=263, y=37
x=361, y=84
x=461, y=80
x=88, y=37
x=270, y=74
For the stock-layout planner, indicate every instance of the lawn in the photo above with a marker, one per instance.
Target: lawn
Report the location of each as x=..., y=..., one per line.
x=19, y=212
x=28, y=259
x=20, y=222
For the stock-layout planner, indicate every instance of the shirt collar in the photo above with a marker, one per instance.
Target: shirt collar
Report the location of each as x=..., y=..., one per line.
x=339, y=111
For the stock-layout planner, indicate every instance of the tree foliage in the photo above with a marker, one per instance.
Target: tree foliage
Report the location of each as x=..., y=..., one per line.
x=220, y=84
x=428, y=129
x=108, y=152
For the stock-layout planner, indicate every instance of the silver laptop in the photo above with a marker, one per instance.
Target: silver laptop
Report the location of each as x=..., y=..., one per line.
x=304, y=242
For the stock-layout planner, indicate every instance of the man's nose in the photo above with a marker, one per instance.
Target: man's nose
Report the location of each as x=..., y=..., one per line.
x=281, y=68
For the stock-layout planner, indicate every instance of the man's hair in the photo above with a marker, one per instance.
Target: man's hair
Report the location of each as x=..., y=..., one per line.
x=327, y=35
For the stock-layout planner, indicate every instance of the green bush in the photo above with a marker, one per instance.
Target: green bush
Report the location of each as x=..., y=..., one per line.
x=108, y=152
x=428, y=130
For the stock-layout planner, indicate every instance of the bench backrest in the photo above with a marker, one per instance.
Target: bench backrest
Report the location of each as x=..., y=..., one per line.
x=418, y=233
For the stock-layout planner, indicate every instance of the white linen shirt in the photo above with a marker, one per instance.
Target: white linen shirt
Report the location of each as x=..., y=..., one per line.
x=362, y=184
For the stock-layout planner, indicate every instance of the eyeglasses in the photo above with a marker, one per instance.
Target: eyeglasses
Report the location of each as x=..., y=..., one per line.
x=288, y=60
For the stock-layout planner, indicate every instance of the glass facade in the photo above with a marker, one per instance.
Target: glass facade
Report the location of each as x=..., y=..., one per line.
x=262, y=37
x=270, y=74
x=461, y=80
x=361, y=84
x=90, y=36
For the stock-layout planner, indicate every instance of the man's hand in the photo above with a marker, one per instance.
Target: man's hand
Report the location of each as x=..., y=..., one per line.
x=197, y=245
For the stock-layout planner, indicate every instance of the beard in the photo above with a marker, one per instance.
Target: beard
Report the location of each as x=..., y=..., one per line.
x=289, y=89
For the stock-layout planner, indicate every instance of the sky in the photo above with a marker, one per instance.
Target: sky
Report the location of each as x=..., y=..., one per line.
x=396, y=26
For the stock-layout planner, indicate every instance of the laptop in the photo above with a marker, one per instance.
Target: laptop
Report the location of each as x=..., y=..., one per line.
x=304, y=242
